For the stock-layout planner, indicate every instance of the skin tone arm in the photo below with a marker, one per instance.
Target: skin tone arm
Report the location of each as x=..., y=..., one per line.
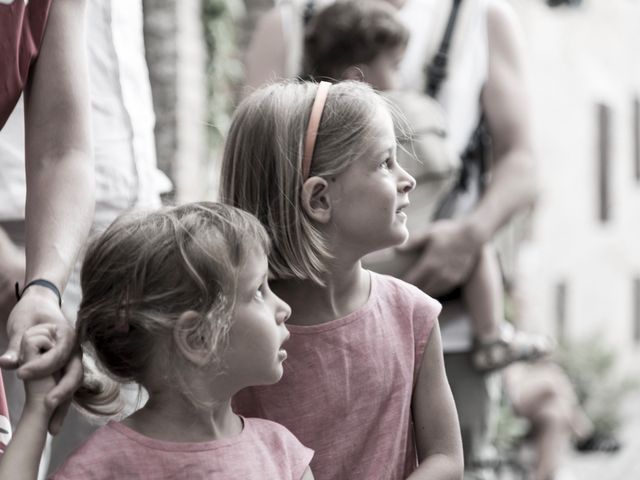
x=21, y=459
x=267, y=52
x=436, y=427
x=60, y=200
x=451, y=246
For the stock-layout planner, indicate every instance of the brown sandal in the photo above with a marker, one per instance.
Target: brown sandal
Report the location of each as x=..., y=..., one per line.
x=511, y=346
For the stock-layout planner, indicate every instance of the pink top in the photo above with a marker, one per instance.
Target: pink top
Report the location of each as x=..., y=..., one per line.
x=22, y=28
x=347, y=385
x=264, y=450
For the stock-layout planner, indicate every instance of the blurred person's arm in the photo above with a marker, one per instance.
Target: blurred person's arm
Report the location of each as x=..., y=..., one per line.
x=452, y=246
x=506, y=104
x=59, y=204
x=268, y=51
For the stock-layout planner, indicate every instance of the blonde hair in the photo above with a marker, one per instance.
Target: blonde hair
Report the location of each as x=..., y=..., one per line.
x=261, y=168
x=142, y=273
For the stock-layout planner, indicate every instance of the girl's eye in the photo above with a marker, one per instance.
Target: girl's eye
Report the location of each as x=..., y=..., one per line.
x=260, y=292
x=387, y=163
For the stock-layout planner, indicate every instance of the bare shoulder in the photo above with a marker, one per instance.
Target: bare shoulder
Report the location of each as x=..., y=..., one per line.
x=270, y=21
x=268, y=50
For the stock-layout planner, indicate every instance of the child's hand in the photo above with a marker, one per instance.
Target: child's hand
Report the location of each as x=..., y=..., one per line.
x=36, y=341
x=22, y=456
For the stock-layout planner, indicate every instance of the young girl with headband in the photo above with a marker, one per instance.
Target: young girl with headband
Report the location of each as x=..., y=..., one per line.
x=178, y=301
x=364, y=384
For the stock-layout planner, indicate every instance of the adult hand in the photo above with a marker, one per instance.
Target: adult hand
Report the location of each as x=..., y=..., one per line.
x=449, y=252
x=38, y=306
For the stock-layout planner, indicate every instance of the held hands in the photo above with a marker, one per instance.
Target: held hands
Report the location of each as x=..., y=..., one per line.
x=36, y=342
x=449, y=252
x=22, y=455
x=39, y=307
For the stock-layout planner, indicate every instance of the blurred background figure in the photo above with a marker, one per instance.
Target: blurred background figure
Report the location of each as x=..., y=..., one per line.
x=543, y=394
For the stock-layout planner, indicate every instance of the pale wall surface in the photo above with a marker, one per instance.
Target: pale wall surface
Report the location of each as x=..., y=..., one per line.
x=579, y=57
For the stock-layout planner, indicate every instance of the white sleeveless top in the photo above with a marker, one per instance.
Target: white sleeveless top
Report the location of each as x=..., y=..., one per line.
x=426, y=20
x=468, y=59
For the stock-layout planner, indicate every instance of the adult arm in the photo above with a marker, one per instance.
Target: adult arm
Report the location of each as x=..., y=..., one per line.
x=267, y=53
x=59, y=204
x=451, y=246
x=435, y=421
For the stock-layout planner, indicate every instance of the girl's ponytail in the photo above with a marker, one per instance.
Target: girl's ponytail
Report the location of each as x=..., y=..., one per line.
x=99, y=394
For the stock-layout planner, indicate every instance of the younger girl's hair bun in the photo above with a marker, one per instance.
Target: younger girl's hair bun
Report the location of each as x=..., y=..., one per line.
x=99, y=395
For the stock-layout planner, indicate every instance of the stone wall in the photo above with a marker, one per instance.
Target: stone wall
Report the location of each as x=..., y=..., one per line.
x=176, y=58
x=583, y=273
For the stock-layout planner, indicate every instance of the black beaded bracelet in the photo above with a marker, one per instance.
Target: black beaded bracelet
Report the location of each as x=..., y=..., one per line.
x=43, y=283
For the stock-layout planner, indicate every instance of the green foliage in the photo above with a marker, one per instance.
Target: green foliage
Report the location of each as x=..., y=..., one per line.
x=511, y=429
x=224, y=68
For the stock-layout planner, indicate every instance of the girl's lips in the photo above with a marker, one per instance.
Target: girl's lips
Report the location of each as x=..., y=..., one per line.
x=402, y=207
x=282, y=354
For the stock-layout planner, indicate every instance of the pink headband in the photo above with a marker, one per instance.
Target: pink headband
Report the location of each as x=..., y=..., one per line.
x=312, y=128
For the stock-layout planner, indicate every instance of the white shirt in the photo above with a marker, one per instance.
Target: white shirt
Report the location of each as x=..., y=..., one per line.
x=468, y=65
x=122, y=119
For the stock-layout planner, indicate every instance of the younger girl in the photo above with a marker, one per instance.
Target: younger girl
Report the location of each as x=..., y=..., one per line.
x=177, y=301
x=365, y=385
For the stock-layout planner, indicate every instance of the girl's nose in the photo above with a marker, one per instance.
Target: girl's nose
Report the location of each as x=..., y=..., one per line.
x=406, y=182
x=283, y=311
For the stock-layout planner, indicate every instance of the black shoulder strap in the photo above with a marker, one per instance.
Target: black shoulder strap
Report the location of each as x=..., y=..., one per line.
x=309, y=10
x=437, y=69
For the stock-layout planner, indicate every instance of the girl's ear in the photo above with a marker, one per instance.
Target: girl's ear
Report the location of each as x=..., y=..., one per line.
x=190, y=344
x=315, y=199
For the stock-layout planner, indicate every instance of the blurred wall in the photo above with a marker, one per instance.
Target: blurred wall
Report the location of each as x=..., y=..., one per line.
x=176, y=57
x=581, y=270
